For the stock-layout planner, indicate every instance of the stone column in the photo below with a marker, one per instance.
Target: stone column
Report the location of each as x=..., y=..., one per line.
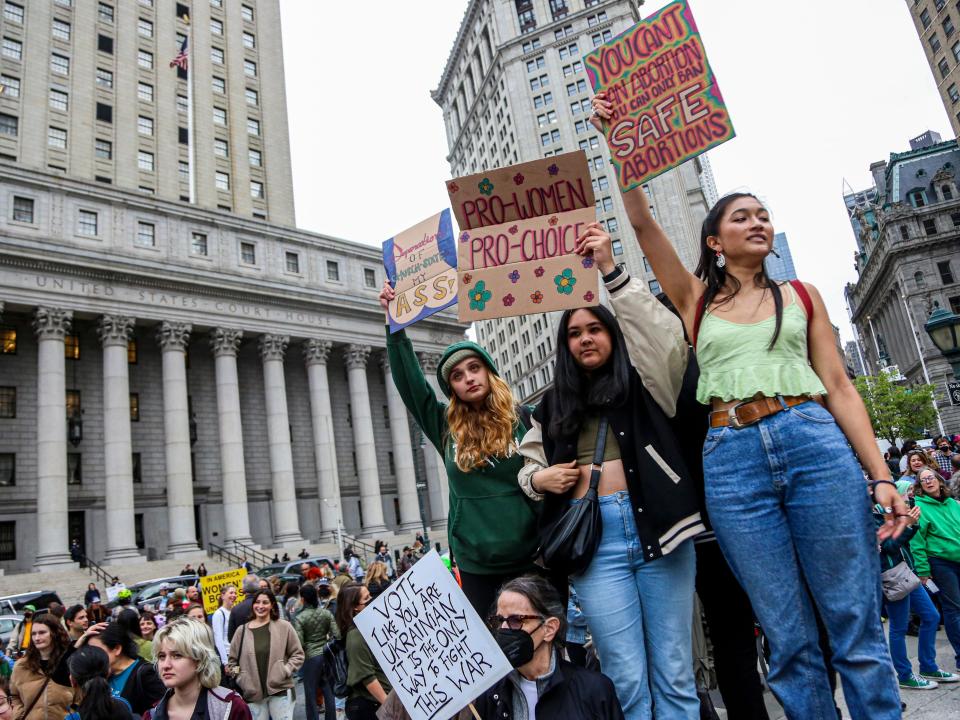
x=173, y=339
x=316, y=352
x=402, y=453
x=355, y=357
x=224, y=344
x=286, y=524
x=51, y=326
x=436, y=469
x=114, y=332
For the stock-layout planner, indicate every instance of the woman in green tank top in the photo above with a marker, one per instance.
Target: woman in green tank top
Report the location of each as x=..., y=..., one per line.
x=785, y=493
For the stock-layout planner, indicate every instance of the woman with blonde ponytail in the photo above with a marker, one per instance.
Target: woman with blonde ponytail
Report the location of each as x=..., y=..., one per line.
x=491, y=524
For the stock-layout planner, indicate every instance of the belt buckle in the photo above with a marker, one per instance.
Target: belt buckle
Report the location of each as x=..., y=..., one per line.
x=734, y=419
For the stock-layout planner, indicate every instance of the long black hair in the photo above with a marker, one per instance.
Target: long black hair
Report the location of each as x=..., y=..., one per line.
x=116, y=635
x=90, y=668
x=716, y=278
x=575, y=392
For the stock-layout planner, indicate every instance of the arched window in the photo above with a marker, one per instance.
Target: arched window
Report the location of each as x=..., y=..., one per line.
x=919, y=279
x=947, y=192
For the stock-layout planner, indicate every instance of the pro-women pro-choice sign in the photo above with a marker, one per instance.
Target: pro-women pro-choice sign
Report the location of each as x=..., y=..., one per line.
x=430, y=642
x=667, y=106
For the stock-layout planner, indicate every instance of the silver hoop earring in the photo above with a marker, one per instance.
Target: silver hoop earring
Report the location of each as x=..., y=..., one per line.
x=721, y=260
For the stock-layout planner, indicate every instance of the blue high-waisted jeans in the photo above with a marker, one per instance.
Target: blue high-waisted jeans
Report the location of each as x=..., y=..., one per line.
x=641, y=615
x=789, y=505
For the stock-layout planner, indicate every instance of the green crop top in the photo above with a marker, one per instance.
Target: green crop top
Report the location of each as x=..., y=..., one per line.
x=736, y=364
x=587, y=442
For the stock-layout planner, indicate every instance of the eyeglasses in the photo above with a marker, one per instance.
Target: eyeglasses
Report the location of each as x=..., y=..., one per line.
x=514, y=622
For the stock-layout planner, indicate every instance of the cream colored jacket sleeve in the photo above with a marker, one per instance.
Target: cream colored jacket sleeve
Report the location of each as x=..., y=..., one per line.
x=658, y=352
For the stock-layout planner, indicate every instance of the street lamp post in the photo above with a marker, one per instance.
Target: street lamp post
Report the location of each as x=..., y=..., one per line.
x=421, y=486
x=943, y=327
x=339, y=524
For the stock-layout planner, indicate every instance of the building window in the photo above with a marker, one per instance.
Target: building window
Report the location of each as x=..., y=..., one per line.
x=293, y=262
x=573, y=68
x=105, y=44
x=74, y=469
x=22, y=209
x=9, y=124
x=145, y=161
x=904, y=233
x=370, y=278
x=219, y=116
x=920, y=280
x=144, y=91
x=246, y=12
x=256, y=190
x=183, y=171
x=571, y=50
x=132, y=353
x=134, y=407
x=198, y=244
x=249, y=41
x=8, y=402
x=145, y=59
x=256, y=158
x=181, y=103
x=947, y=192
x=216, y=26
x=12, y=49
x=8, y=469
x=13, y=13
x=8, y=540
x=137, y=467
x=253, y=97
x=216, y=55
x=918, y=198
x=333, y=270
x=59, y=64
x=103, y=149
x=216, y=3
x=248, y=253
x=10, y=86
x=104, y=113
x=944, y=67
x=249, y=68
x=948, y=28
x=925, y=18
x=144, y=28
x=146, y=234
x=105, y=78
x=105, y=12
x=946, y=275
x=145, y=125
x=87, y=223
x=221, y=148
x=219, y=85
x=222, y=181
x=61, y=30
x=531, y=45
x=253, y=126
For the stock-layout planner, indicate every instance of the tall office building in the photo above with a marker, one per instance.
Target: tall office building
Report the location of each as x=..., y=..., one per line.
x=936, y=22
x=106, y=107
x=513, y=90
x=781, y=268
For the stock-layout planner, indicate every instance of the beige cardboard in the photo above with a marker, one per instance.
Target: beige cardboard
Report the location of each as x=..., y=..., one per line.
x=556, y=283
x=435, y=292
x=520, y=192
x=416, y=254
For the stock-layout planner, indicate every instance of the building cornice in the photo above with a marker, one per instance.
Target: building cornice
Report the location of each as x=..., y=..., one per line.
x=468, y=16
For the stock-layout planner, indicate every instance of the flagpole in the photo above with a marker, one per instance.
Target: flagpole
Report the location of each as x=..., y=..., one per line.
x=190, y=143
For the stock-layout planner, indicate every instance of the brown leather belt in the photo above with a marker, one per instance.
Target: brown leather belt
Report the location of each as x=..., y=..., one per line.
x=749, y=412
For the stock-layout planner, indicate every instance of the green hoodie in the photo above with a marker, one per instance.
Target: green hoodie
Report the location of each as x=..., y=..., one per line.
x=938, y=533
x=492, y=525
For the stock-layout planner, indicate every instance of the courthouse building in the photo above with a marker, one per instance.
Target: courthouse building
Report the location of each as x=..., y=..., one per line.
x=174, y=374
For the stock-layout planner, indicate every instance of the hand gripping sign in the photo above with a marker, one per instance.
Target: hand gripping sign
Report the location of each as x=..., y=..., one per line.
x=421, y=265
x=430, y=642
x=667, y=106
x=519, y=226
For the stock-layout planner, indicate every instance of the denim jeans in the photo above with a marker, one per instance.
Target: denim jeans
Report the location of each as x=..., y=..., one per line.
x=313, y=679
x=275, y=707
x=640, y=615
x=790, y=508
x=898, y=613
x=946, y=574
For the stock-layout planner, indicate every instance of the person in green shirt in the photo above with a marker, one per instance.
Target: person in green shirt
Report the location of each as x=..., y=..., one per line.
x=368, y=684
x=491, y=524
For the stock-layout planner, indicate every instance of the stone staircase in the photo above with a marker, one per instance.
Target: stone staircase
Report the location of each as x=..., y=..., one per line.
x=70, y=585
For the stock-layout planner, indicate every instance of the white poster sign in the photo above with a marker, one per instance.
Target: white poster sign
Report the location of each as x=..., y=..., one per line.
x=431, y=643
x=112, y=591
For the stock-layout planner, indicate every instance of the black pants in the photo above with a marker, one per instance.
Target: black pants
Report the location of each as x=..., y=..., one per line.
x=731, y=623
x=359, y=708
x=482, y=590
x=313, y=680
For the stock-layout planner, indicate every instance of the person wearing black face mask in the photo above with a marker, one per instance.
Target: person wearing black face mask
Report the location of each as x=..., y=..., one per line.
x=529, y=626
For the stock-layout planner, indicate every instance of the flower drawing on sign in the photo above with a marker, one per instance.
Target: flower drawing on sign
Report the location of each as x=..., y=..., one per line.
x=467, y=278
x=453, y=188
x=553, y=169
x=553, y=221
x=485, y=186
x=539, y=271
x=537, y=297
x=514, y=276
x=480, y=296
x=518, y=178
x=588, y=262
x=565, y=282
x=508, y=299
x=464, y=236
x=588, y=296
x=513, y=229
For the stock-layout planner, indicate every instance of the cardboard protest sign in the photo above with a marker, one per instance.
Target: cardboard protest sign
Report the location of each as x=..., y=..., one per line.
x=519, y=229
x=212, y=585
x=667, y=104
x=430, y=642
x=113, y=590
x=421, y=265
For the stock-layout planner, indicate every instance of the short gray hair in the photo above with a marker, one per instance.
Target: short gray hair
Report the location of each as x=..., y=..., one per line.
x=194, y=639
x=543, y=597
x=251, y=583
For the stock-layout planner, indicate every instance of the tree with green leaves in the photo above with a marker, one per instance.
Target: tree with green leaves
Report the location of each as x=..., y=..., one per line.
x=897, y=411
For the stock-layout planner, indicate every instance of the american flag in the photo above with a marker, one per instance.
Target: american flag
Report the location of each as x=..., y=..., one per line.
x=180, y=60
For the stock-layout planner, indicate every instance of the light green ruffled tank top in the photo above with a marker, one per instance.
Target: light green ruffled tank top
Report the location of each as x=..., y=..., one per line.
x=736, y=364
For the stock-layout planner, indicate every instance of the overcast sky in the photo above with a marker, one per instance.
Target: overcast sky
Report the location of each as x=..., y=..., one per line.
x=817, y=91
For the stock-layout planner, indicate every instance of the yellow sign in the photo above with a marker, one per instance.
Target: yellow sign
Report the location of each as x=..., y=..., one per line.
x=212, y=585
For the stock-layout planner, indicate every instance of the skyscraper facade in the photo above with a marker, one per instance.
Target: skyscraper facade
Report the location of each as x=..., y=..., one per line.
x=936, y=22
x=780, y=266
x=514, y=89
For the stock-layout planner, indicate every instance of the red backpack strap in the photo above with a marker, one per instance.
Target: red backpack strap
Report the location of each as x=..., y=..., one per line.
x=804, y=297
x=698, y=318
